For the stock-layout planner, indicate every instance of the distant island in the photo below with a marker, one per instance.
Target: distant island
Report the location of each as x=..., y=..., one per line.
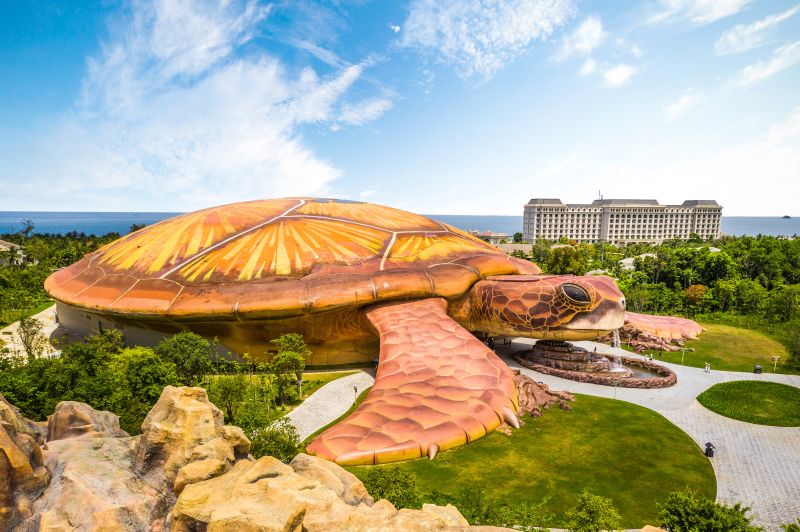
x=786, y=217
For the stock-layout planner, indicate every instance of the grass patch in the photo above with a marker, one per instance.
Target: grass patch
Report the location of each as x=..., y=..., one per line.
x=8, y=317
x=763, y=403
x=611, y=448
x=729, y=348
x=313, y=381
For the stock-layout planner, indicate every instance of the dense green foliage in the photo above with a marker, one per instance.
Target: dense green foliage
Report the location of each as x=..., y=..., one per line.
x=602, y=446
x=686, y=511
x=100, y=372
x=22, y=280
x=592, y=513
x=393, y=484
x=279, y=439
x=764, y=403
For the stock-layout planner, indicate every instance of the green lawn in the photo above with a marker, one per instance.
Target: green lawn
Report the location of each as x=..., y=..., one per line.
x=611, y=448
x=763, y=403
x=730, y=348
x=8, y=317
x=313, y=381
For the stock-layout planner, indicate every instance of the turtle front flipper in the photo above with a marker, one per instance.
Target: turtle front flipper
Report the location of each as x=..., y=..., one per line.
x=669, y=327
x=437, y=387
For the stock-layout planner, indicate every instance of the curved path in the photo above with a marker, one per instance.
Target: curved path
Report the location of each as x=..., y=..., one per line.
x=756, y=465
x=328, y=403
x=11, y=339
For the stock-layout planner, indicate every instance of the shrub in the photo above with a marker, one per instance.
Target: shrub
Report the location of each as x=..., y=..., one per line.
x=593, y=513
x=191, y=355
x=280, y=439
x=685, y=511
x=394, y=485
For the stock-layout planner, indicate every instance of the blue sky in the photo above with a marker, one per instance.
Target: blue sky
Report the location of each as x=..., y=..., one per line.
x=446, y=107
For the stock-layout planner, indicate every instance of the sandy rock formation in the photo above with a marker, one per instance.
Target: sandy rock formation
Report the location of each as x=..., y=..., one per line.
x=184, y=440
x=343, y=483
x=72, y=419
x=102, y=479
x=185, y=472
x=269, y=495
x=533, y=396
x=22, y=472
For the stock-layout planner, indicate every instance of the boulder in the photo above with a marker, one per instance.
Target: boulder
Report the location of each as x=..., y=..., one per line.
x=185, y=427
x=343, y=483
x=22, y=472
x=94, y=488
x=268, y=495
x=72, y=419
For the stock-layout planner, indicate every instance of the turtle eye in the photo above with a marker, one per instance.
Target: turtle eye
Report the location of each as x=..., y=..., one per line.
x=576, y=294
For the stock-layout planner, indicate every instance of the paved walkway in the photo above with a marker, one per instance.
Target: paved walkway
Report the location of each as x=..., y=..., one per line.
x=328, y=403
x=12, y=342
x=756, y=465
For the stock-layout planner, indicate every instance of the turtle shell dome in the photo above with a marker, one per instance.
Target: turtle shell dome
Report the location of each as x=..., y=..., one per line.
x=278, y=257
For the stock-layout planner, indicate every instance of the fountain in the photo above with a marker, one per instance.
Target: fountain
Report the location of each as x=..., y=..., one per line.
x=566, y=360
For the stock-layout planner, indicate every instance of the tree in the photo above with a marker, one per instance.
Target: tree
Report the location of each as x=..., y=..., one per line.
x=191, y=355
x=695, y=294
x=293, y=342
x=279, y=439
x=393, y=484
x=517, y=238
x=593, y=513
x=30, y=335
x=287, y=366
x=227, y=392
x=685, y=511
x=566, y=259
x=136, y=376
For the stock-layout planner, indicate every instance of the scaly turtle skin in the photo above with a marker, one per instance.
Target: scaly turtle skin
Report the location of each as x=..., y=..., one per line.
x=345, y=275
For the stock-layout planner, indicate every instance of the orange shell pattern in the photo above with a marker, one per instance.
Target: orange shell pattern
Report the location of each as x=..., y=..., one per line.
x=278, y=257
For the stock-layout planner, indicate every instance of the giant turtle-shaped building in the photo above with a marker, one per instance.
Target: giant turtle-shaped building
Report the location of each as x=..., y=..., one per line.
x=354, y=279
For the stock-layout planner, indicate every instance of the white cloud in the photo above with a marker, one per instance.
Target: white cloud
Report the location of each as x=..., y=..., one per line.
x=395, y=28
x=169, y=109
x=744, y=37
x=364, y=194
x=697, y=11
x=782, y=59
x=619, y=75
x=363, y=112
x=680, y=106
x=479, y=37
x=586, y=37
x=588, y=67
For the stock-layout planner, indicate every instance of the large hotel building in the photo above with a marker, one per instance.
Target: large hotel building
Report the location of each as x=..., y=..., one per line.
x=620, y=221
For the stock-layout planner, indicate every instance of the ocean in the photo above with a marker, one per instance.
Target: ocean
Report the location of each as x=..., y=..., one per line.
x=100, y=223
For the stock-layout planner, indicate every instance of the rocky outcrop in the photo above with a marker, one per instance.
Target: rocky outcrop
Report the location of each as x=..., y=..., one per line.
x=103, y=479
x=343, y=483
x=184, y=440
x=22, y=472
x=640, y=340
x=72, y=419
x=185, y=472
x=535, y=397
x=269, y=495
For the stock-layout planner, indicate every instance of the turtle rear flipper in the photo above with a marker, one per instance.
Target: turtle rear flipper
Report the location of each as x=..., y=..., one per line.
x=437, y=387
x=669, y=327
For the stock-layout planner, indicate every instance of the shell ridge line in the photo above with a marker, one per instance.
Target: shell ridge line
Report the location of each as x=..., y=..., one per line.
x=230, y=238
x=123, y=293
x=180, y=291
x=388, y=249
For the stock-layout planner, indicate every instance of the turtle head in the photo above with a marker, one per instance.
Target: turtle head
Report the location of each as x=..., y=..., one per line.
x=557, y=307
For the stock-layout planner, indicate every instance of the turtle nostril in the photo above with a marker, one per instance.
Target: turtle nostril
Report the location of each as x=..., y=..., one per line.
x=576, y=293
x=622, y=302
